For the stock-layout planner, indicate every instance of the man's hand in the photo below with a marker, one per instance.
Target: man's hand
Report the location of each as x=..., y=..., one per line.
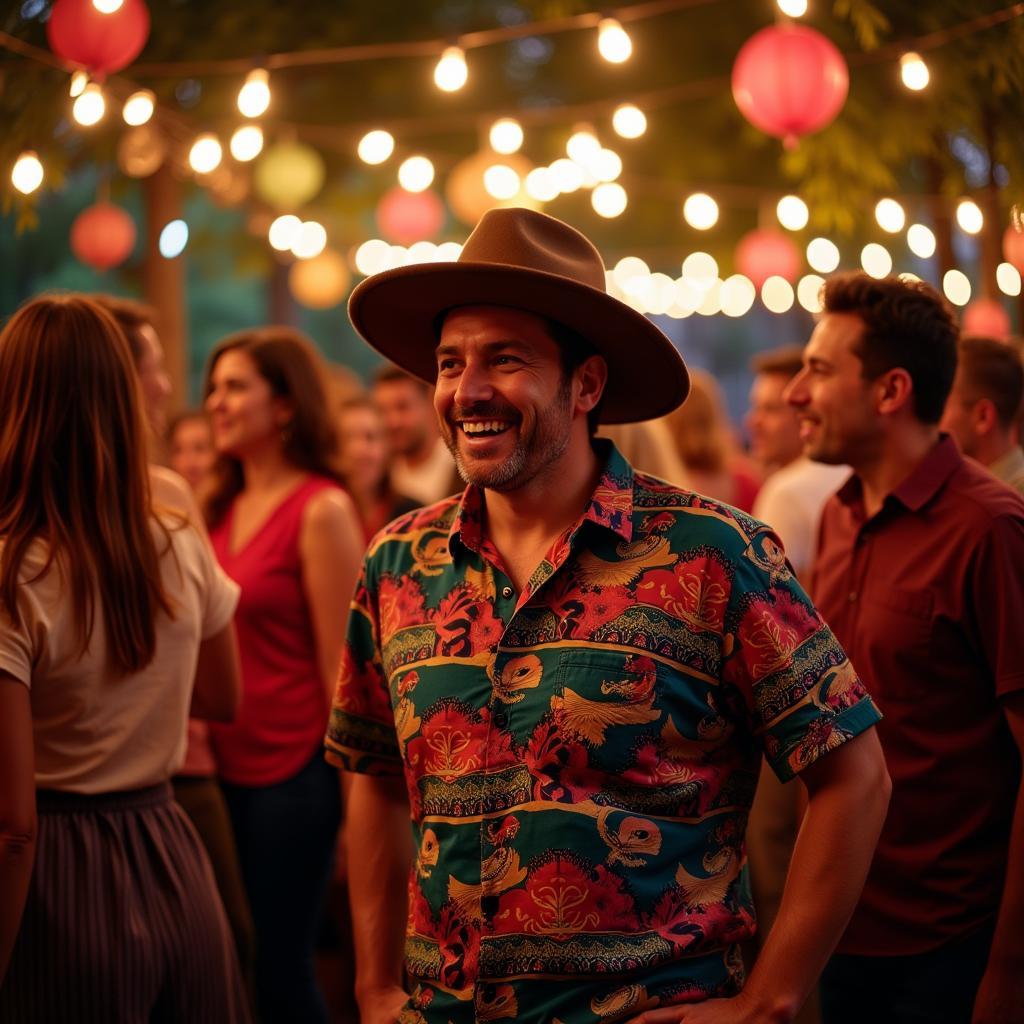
x=382, y=1006
x=738, y=1010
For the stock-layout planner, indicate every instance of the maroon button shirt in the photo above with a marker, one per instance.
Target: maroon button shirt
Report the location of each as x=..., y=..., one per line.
x=927, y=598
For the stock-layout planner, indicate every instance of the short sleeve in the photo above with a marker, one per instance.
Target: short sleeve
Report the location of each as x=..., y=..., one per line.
x=17, y=649
x=361, y=735
x=802, y=694
x=219, y=593
x=997, y=593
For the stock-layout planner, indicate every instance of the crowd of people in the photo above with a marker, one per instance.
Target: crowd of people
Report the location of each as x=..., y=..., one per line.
x=571, y=639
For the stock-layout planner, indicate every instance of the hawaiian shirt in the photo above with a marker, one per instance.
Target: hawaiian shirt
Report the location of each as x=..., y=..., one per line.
x=581, y=757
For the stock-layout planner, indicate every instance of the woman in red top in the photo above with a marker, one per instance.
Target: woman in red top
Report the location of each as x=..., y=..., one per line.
x=285, y=531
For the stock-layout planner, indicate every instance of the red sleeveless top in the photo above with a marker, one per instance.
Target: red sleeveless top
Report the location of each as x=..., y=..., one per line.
x=281, y=722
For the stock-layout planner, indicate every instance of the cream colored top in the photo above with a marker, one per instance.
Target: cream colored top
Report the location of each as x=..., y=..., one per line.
x=94, y=733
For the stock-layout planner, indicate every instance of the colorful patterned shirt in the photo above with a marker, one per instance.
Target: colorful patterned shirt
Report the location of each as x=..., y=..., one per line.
x=581, y=757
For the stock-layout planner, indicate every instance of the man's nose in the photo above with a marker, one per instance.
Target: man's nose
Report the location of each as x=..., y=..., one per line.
x=795, y=393
x=474, y=385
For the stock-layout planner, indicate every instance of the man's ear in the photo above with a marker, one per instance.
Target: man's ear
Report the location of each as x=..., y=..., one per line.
x=983, y=416
x=895, y=391
x=591, y=378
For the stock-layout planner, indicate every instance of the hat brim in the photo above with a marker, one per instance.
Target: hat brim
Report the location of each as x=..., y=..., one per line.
x=396, y=312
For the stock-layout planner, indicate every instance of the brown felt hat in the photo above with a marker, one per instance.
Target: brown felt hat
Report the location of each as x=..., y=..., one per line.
x=532, y=262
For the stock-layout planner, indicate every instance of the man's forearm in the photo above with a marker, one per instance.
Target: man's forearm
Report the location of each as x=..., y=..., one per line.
x=379, y=854
x=16, y=858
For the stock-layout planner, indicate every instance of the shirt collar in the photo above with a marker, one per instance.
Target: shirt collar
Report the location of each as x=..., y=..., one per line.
x=1008, y=466
x=610, y=505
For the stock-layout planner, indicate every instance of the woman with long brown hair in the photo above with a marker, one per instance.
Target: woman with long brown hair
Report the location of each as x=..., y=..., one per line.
x=109, y=608
x=283, y=529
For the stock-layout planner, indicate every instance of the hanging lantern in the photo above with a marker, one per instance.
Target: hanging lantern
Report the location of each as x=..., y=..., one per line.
x=1013, y=246
x=289, y=174
x=141, y=151
x=987, y=318
x=103, y=236
x=767, y=253
x=407, y=217
x=103, y=43
x=320, y=282
x=467, y=194
x=789, y=80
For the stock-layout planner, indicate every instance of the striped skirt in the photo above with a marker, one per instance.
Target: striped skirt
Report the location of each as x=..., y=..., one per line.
x=123, y=924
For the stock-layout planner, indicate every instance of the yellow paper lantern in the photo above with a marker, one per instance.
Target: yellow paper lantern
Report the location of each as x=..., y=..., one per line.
x=289, y=174
x=320, y=282
x=467, y=196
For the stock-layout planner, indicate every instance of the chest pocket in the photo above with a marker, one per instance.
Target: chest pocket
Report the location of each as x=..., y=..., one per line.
x=904, y=643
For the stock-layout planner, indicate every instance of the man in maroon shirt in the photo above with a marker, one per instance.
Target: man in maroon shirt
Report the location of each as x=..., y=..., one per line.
x=919, y=574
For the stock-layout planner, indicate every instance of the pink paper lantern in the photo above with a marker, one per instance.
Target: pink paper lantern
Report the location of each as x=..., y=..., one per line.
x=103, y=236
x=1013, y=247
x=406, y=217
x=789, y=80
x=987, y=318
x=102, y=43
x=763, y=253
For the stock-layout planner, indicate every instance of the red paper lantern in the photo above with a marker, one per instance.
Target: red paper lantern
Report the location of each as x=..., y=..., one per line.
x=102, y=43
x=1013, y=246
x=987, y=318
x=406, y=217
x=789, y=80
x=763, y=253
x=103, y=236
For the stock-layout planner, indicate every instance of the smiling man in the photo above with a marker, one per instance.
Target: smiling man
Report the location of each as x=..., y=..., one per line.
x=919, y=573
x=567, y=677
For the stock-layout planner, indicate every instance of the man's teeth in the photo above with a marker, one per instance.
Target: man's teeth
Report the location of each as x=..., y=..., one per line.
x=486, y=427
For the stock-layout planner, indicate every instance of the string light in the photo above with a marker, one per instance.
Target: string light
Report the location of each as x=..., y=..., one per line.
x=583, y=147
x=875, y=260
x=1008, y=279
x=629, y=121
x=613, y=42
x=27, y=173
x=608, y=165
x=737, y=295
x=914, y=72
x=700, y=211
x=206, y=153
x=792, y=213
x=700, y=269
x=793, y=8
x=415, y=174
x=254, y=96
x=375, y=147
x=283, y=231
x=373, y=256
x=808, y=292
x=711, y=301
x=956, y=287
x=501, y=181
x=687, y=296
x=969, y=216
x=139, y=107
x=777, y=294
x=541, y=185
x=610, y=200
x=628, y=268
x=890, y=216
x=108, y=6
x=451, y=73
x=79, y=80
x=822, y=255
x=247, y=142
x=310, y=240
x=90, y=106
x=921, y=241
x=506, y=135
x=568, y=175
x=173, y=239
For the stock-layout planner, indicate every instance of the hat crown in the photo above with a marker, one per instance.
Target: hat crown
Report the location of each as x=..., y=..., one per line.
x=534, y=241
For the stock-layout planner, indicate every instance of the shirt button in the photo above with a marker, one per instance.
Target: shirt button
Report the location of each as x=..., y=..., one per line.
x=507, y=592
x=501, y=719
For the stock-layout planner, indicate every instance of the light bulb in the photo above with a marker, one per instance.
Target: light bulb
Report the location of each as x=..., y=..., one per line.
x=914, y=72
x=700, y=211
x=613, y=42
x=808, y=292
x=79, y=80
x=628, y=268
x=27, y=172
x=792, y=213
x=310, y=240
x=607, y=165
x=957, y=287
x=451, y=72
x=890, y=216
x=254, y=96
x=173, y=239
x=700, y=269
x=822, y=255
x=416, y=174
x=1008, y=279
x=373, y=256
x=283, y=231
x=628, y=121
x=206, y=154
x=108, y=6
x=138, y=108
x=793, y=8
x=501, y=182
x=541, y=185
x=375, y=147
x=875, y=260
x=609, y=200
x=90, y=106
x=921, y=241
x=736, y=295
x=777, y=294
x=969, y=216
x=583, y=147
x=247, y=142
x=506, y=135
x=568, y=175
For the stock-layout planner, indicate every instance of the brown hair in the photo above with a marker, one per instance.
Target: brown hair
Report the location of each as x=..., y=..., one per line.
x=698, y=426
x=992, y=369
x=130, y=316
x=907, y=324
x=287, y=360
x=389, y=373
x=786, y=361
x=73, y=471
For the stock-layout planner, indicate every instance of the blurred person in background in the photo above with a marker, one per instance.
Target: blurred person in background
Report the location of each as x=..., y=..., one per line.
x=983, y=408
x=284, y=529
x=190, y=450
x=116, y=624
x=421, y=465
x=364, y=458
x=703, y=440
x=648, y=446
